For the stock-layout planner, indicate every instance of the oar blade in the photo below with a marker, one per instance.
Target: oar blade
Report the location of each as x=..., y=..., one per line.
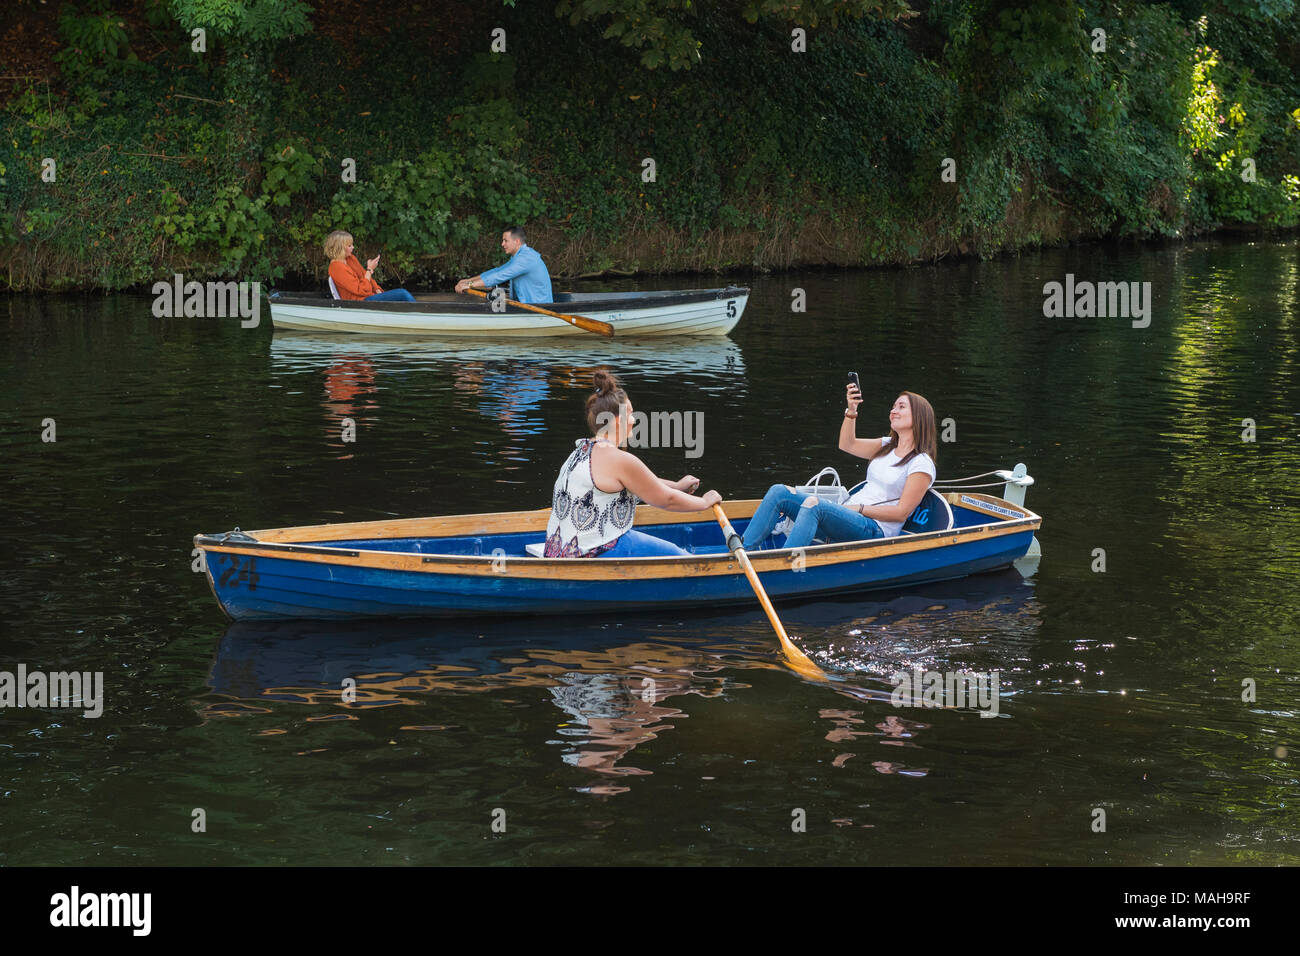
x=795, y=658
x=592, y=325
x=801, y=662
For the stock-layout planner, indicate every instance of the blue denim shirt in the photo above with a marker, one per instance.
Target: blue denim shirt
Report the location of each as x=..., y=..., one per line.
x=529, y=280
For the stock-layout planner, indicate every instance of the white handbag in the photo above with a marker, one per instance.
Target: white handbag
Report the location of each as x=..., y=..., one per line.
x=833, y=491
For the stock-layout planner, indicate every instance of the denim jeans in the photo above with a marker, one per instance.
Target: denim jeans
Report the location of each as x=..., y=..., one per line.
x=825, y=520
x=392, y=295
x=638, y=544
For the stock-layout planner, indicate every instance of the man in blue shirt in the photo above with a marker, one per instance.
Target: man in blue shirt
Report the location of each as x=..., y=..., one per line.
x=529, y=280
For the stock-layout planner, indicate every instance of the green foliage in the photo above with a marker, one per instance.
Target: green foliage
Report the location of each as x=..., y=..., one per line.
x=251, y=20
x=290, y=170
x=94, y=38
x=664, y=31
x=419, y=207
x=1243, y=154
x=229, y=165
x=1201, y=126
x=1260, y=11
x=1118, y=124
x=232, y=223
x=811, y=13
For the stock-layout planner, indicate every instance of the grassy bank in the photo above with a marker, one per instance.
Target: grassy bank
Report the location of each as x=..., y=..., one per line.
x=971, y=127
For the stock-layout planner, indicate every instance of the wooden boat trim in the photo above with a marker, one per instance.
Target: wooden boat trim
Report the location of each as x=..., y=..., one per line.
x=500, y=522
x=454, y=526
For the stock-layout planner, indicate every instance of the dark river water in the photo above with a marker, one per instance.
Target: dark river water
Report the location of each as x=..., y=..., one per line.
x=1159, y=696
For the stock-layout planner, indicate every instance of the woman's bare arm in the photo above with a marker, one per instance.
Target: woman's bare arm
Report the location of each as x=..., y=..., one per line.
x=634, y=475
x=918, y=483
x=859, y=447
x=849, y=440
x=687, y=483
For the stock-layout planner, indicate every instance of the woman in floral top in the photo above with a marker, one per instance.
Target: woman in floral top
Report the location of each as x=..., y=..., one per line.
x=594, y=503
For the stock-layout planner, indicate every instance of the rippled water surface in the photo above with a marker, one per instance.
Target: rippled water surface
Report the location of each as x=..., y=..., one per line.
x=677, y=737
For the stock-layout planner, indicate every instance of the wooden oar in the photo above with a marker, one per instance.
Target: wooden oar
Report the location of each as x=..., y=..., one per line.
x=797, y=659
x=581, y=321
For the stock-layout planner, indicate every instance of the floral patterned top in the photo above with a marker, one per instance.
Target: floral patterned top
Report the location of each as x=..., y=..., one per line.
x=585, y=521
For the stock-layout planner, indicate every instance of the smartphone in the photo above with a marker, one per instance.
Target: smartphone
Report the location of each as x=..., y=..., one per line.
x=853, y=380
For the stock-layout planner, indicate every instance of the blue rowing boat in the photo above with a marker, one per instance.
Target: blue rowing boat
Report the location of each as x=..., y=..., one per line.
x=490, y=564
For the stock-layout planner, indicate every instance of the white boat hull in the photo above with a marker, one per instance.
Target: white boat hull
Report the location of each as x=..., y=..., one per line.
x=706, y=316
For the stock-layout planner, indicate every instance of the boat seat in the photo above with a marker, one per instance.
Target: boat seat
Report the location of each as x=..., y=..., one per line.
x=334, y=290
x=932, y=514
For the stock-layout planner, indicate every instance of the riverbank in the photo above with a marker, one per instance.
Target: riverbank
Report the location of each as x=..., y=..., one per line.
x=126, y=155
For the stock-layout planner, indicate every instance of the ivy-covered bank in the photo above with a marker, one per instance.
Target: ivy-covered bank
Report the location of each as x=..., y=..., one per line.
x=217, y=137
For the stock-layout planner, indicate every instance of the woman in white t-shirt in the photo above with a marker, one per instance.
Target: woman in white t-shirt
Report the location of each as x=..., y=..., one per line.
x=899, y=474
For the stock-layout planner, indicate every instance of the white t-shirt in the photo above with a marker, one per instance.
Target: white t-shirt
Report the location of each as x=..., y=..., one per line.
x=885, y=483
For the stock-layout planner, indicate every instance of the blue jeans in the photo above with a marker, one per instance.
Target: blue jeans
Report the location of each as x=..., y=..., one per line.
x=825, y=520
x=392, y=295
x=638, y=544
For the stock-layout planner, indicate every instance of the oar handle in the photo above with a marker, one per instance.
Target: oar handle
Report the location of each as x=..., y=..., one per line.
x=734, y=543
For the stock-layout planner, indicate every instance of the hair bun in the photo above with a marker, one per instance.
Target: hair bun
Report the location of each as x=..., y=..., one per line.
x=607, y=399
x=604, y=382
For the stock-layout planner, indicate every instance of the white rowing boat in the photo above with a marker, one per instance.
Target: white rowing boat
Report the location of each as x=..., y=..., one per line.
x=688, y=312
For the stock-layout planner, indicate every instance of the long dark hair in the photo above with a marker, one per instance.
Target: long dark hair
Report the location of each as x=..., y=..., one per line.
x=923, y=431
x=609, y=398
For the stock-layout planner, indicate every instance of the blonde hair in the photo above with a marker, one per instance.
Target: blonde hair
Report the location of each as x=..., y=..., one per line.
x=336, y=244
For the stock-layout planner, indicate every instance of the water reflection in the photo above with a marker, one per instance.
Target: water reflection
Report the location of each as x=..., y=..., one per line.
x=503, y=382
x=510, y=395
x=616, y=685
x=609, y=694
x=704, y=358
x=612, y=714
x=350, y=392
x=890, y=731
x=984, y=623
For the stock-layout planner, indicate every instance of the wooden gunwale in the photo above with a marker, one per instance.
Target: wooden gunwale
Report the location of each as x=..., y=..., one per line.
x=272, y=543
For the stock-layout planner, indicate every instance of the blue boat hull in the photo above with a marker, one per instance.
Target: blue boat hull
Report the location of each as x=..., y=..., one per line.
x=457, y=576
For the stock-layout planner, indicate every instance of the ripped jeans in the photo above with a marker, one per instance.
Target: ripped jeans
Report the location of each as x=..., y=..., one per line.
x=825, y=520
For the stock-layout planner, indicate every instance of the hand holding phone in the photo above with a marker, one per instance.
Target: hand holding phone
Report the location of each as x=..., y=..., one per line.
x=853, y=392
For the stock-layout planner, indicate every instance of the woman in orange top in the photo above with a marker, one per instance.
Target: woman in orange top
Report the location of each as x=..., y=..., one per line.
x=353, y=282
